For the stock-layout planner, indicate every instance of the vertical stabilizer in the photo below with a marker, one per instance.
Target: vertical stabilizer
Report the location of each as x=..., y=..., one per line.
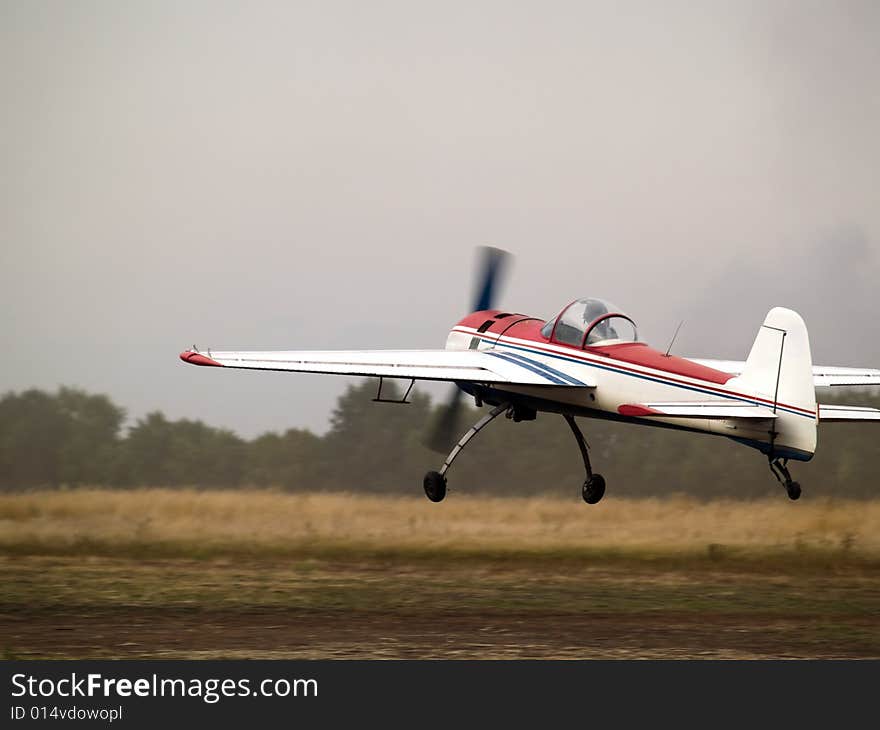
x=779, y=369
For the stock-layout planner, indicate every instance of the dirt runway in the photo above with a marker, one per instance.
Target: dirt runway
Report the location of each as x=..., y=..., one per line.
x=122, y=608
x=278, y=634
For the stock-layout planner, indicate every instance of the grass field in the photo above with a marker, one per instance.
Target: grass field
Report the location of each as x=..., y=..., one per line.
x=161, y=573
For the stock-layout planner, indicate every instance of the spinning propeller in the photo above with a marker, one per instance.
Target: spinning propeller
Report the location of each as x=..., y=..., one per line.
x=491, y=267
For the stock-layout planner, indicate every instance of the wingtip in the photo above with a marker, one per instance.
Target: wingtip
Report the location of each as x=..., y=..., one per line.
x=196, y=358
x=636, y=411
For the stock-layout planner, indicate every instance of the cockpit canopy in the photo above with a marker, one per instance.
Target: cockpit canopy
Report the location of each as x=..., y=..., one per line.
x=590, y=322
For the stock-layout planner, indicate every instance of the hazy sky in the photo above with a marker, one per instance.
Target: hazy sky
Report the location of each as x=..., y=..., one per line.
x=316, y=175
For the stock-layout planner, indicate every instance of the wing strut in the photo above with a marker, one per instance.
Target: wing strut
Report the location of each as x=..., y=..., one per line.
x=402, y=401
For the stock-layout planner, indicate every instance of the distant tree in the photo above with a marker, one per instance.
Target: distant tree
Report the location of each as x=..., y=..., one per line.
x=51, y=440
x=92, y=436
x=71, y=437
x=290, y=460
x=159, y=452
x=32, y=434
x=376, y=447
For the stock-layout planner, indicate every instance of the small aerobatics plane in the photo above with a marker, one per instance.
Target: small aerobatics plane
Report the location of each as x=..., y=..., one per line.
x=587, y=361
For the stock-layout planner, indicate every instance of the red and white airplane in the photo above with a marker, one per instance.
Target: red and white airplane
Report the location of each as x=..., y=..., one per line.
x=588, y=361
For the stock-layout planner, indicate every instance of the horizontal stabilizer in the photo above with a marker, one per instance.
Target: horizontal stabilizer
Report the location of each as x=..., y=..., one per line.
x=469, y=366
x=831, y=376
x=697, y=409
x=823, y=375
x=842, y=414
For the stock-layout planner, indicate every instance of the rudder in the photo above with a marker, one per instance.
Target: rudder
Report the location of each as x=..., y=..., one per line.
x=779, y=369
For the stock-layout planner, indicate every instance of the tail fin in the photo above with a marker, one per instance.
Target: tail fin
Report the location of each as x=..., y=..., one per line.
x=779, y=369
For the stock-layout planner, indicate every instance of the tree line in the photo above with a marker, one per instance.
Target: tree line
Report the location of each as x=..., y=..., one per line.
x=72, y=438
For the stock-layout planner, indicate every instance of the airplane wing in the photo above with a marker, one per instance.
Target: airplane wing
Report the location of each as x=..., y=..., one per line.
x=843, y=414
x=697, y=409
x=823, y=375
x=452, y=365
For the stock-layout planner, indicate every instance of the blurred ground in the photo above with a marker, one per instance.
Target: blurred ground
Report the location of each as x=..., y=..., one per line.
x=160, y=574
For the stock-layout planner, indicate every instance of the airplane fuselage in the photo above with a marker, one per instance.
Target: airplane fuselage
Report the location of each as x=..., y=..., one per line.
x=625, y=375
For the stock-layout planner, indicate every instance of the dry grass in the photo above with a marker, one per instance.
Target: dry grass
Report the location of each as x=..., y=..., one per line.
x=161, y=573
x=204, y=523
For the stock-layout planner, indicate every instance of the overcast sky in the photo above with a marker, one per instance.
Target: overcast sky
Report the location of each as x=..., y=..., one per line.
x=317, y=174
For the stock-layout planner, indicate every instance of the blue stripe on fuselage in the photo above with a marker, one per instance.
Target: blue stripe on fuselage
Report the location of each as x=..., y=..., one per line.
x=538, y=371
x=548, y=369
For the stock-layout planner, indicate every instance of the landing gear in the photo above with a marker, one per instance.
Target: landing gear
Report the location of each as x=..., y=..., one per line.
x=779, y=467
x=435, y=481
x=594, y=486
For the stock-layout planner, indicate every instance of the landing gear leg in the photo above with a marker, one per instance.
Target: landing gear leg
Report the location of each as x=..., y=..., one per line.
x=435, y=481
x=779, y=467
x=594, y=486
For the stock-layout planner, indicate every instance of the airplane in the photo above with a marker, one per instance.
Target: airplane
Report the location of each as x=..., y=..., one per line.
x=588, y=361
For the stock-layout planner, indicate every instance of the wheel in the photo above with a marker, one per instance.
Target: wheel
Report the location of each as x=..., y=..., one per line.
x=593, y=489
x=794, y=490
x=435, y=486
